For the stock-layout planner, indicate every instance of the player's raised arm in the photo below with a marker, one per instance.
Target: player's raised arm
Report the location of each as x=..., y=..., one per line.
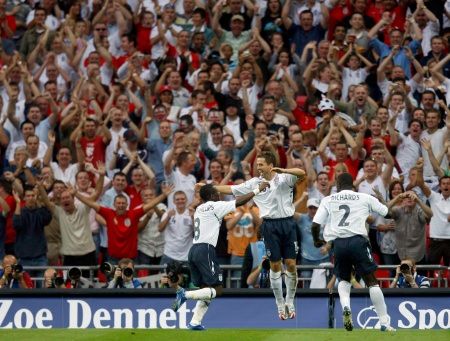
x=224, y=189
x=378, y=207
x=299, y=173
x=243, y=199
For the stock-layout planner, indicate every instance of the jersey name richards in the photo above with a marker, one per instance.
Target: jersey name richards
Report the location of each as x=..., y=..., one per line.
x=273, y=202
x=208, y=218
x=344, y=214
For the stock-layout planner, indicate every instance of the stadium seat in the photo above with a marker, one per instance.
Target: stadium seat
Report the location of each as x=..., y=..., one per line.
x=383, y=276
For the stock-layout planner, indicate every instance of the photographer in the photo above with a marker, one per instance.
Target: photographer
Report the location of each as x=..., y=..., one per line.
x=123, y=276
x=12, y=274
x=407, y=277
x=256, y=266
x=52, y=280
x=176, y=276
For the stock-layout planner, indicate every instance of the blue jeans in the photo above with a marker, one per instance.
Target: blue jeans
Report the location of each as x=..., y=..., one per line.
x=236, y=260
x=308, y=273
x=37, y=261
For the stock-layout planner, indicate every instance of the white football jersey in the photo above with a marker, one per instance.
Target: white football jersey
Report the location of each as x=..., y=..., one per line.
x=344, y=214
x=208, y=218
x=273, y=202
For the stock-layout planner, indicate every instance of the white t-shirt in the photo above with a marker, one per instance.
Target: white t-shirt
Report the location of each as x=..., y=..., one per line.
x=274, y=202
x=408, y=151
x=178, y=236
x=368, y=187
x=208, y=218
x=10, y=152
x=439, y=225
x=253, y=93
x=437, y=140
x=235, y=128
x=446, y=20
x=76, y=235
x=352, y=77
x=68, y=175
x=183, y=183
x=345, y=214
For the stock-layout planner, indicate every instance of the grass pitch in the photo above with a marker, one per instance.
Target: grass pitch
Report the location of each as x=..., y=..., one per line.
x=221, y=334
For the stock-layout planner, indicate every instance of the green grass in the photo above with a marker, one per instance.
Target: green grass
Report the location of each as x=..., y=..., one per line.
x=221, y=334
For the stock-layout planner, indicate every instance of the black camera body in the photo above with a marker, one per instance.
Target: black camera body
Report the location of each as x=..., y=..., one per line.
x=128, y=272
x=404, y=268
x=17, y=268
x=58, y=281
x=174, y=269
x=109, y=270
x=74, y=274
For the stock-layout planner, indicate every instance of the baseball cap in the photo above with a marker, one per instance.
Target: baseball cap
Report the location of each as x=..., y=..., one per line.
x=165, y=88
x=237, y=17
x=169, y=6
x=313, y=203
x=130, y=136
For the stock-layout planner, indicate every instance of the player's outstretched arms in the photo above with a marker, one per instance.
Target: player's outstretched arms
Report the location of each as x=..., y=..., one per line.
x=224, y=189
x=299, y=173
x=243, y=199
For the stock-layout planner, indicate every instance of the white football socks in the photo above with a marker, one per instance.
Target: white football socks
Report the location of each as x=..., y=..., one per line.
x=377, y=297
x=291, y=286
x=201, y=294
x=276, y=282
x=199, y=312
x=344, y=288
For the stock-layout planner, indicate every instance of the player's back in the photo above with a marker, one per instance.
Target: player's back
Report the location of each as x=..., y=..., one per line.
x=208, y=218
x=348, y=212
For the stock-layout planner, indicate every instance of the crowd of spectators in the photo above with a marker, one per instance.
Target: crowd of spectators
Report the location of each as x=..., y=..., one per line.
x=111, y=111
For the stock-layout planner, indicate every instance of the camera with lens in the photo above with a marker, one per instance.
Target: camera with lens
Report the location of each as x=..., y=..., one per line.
x=58, y=281
x=404, y=268
x=128, y=272
x=174, y=269
x=107, y=268
x=74, y=274
x=17, y=268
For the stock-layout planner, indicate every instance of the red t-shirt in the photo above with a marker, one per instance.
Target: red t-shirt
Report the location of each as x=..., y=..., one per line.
x=117, y=62
x=368, y=142
x=10, y=232
x=337, y=14
x=144, y=44
x=11, y=22
x=305, y=120
x=352, y=165
x=122, y=231
x=94, y=149
x=135, y=196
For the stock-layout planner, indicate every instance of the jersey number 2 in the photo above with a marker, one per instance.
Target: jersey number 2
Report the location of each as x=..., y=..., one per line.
x=196, y=228
x=343, y=221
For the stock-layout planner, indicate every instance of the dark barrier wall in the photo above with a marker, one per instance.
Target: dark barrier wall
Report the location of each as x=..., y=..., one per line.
x=415, y=308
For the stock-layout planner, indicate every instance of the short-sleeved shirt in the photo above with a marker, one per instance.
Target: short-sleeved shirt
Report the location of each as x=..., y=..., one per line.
x=122, y=231
x=208, y=218
x=275, y=201
x=183, y=183
x=151, y=241
x=439, y=225
x=178, y=236
x=345, y=214
x=410, y=232
x=76, y=234
x=94, y=149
